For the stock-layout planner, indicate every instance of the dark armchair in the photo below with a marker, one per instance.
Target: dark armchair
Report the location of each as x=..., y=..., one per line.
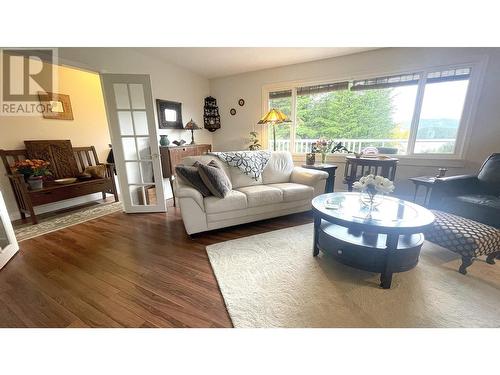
x=476, y=197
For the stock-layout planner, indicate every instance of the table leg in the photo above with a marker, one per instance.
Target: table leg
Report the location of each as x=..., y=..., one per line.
x=317, y=224
x=415, y=195
x=427, y=189
x=391, y=246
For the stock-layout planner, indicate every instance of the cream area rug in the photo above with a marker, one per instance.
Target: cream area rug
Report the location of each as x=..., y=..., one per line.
x=272, y=280
x=27, y=230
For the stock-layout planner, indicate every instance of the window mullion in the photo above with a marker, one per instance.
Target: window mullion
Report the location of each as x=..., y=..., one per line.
x=416, y=114
x=293, y=115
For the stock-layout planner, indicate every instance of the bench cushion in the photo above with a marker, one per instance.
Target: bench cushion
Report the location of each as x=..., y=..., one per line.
x=463, y=236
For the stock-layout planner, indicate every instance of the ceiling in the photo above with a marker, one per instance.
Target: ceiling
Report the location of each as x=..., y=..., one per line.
x=225, y=61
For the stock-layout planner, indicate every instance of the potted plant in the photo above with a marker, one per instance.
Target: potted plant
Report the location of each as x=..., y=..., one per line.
x=33, y=170
x=322, y=146
x=254, y=142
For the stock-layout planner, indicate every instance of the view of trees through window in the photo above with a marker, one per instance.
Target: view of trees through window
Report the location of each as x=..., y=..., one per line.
x=379, y=116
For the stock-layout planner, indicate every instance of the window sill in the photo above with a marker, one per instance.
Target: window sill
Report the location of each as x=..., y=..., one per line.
x=447, y=161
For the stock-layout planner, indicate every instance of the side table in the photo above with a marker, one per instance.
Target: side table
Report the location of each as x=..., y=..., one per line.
x=427, y=182
x=330, y=169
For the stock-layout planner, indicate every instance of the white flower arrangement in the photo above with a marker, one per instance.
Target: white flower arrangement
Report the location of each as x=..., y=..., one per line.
x=372, y=185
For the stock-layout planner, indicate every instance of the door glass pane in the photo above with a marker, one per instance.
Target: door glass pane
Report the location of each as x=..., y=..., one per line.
x=4, y=241
x=129, y=151
x=147, y=172
x=144, y=149
x=440, y=117
x=125, y=122
x=140, y=123
x=137, y=196
x=133, y=172
x=121, y=96
x=137, y=96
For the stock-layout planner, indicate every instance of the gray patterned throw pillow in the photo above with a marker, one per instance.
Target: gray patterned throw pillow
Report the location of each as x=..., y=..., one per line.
x=190, y=175
x=215, y=179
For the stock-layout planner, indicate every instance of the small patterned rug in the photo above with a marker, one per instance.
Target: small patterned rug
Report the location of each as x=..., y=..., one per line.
x=27, y=230
x=272, y=280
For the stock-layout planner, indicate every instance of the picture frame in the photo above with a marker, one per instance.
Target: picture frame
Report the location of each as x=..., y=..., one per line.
x=56, y=106
x=169, y=114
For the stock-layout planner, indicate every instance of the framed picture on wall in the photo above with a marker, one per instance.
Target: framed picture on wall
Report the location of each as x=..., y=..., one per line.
x=56, y=106
x=169, y=114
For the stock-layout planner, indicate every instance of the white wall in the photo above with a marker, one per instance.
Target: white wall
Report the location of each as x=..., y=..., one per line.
x=168, y=82
x=89, y=128
x=485, y=137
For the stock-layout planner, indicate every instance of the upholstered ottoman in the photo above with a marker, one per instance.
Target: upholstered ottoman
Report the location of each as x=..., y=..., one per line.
x=466, y=237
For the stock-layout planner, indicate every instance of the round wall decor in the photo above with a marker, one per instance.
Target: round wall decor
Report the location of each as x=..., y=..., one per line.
x=232, y=111
x=241, y=102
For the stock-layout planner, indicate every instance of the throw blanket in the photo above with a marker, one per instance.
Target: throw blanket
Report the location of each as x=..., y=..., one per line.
x=252, y=163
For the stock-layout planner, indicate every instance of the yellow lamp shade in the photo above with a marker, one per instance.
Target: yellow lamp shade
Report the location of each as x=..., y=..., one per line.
x=274, y=116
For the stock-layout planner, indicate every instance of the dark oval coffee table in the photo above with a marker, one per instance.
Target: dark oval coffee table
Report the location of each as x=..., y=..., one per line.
x=385, y=239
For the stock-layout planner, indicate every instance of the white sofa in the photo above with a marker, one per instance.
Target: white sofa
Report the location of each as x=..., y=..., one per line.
x=282, y=189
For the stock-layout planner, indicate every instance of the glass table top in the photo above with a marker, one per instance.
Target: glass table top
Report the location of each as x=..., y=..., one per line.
x=391, y=212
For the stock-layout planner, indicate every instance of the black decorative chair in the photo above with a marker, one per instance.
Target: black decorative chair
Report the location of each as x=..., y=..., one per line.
x=475, y=197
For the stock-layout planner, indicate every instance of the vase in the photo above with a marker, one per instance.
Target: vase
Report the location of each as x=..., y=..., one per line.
x=35, y=182
x=164, y=141
x=323, y=158
x=371, y=200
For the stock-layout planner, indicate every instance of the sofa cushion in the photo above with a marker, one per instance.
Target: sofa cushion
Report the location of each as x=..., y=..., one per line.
x=478, y=207
x=489, y=175
x=215, y=180
x=260, y=195
x=234, y=200
x=294, y=192
x=278, y=169
x=240, y=179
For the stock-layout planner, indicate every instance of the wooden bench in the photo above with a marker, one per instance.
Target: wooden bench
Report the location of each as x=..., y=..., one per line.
x=51, y=192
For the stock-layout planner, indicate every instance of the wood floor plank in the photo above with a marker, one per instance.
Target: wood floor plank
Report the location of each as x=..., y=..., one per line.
x=121, y=270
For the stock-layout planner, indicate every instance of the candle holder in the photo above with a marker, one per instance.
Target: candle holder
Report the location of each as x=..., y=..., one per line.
x=310, y=158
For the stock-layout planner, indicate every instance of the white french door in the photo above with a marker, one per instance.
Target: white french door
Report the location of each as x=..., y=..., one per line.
x=129, y=106
x=8, y=242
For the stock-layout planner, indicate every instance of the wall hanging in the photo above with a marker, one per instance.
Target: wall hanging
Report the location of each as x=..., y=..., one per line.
x=232, y=111
x=211, y=117
x=169, y=114
x=56, y=106
x=241, y=102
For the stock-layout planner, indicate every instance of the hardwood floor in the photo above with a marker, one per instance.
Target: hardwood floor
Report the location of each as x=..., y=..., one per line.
x=120, y=270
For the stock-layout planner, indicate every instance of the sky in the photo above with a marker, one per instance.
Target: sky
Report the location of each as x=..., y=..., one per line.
x=441, y=100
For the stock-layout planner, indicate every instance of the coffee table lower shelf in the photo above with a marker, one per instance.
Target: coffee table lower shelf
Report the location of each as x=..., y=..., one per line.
x=367, y=251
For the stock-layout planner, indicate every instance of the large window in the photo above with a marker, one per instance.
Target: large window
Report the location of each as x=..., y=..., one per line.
x=415, y=113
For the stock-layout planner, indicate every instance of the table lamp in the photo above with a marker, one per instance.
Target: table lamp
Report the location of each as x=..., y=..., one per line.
x=274, y=117
x=191, y=125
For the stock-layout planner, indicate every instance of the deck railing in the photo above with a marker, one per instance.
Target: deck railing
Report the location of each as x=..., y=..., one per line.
x=356, y=145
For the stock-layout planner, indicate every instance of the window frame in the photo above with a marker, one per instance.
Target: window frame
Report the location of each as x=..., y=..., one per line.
x=477, y=66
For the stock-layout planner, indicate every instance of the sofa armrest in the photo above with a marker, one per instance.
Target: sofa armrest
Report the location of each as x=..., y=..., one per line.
x=306, y=176
x=184, y=191
x=452, y=186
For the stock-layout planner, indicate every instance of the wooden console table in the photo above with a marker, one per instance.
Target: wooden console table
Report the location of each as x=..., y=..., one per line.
x=355, y=168
x=172, y=156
